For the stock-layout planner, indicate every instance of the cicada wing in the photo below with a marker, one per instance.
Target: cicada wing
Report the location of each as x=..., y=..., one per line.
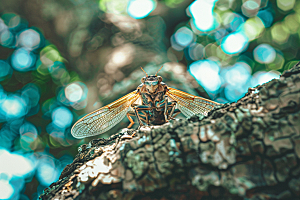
x=189, y=104
x=103, y=119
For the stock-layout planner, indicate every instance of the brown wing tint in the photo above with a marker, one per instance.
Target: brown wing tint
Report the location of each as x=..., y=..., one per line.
x=189, y=104
x=104, y=118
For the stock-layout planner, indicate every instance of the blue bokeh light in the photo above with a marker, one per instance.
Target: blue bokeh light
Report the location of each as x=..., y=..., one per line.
x=7, y=137
x=62, y=117
x=22, y=60
x=57, y=134
x=184, y=36
x=3, y=26
x=28, y=127
x=262, y=77
x=264, y=53
x=76, y=92
x=139, y=9
x=61, y=97
x=251, y=5
x=32, y=94
x=2, y=94
x=13, y=107
x=250, y=8
x=47, y=172
x=233, y=93
x=57, y=69
x=207, y=74
x=7, y=38
x=14, y=22
x=196, y=51
x=236, y=80
x=29, y=39
x=203, y=16
x=175, y=45
x=237, y=75
x=236, y=21
x=5, y=70
x=28, y=133
x=234, y=43
x=266, y=17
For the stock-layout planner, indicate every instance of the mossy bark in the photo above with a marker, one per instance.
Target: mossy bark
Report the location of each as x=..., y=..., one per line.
x=248, y=149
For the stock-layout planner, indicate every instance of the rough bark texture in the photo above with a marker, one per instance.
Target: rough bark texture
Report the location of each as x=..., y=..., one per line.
x=244, y=150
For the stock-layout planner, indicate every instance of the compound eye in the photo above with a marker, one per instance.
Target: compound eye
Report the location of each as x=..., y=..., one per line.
x=147, y=83
x=154, y=83
x=143, y=80
x=159, y=78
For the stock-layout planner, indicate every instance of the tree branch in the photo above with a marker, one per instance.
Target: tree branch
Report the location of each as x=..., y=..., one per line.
x=248, y=149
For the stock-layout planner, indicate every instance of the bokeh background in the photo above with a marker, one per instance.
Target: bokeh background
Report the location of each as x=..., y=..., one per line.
x=60, y=60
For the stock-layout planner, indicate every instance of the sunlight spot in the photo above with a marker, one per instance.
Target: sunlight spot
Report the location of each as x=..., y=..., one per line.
x=139, y=9
x=207, y=73
x=234, y=43
x=6, y=190
x=74, y=92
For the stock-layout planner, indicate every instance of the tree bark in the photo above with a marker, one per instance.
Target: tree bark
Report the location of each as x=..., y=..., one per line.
x=248, y=149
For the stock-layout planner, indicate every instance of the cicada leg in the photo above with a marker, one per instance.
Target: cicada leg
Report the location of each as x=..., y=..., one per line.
x=141, y=114
x=166, y=108
x=173, y=110
x=129, y=114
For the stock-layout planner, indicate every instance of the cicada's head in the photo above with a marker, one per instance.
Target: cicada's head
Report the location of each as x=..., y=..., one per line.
x=151, y=82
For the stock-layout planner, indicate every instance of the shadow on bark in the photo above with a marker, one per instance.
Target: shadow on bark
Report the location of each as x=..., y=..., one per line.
x=248, y=149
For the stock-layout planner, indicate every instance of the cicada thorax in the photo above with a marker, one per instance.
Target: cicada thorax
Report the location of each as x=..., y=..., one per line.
x=153, y=105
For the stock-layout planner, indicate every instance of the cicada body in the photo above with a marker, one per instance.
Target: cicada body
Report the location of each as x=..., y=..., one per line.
x=152, y=103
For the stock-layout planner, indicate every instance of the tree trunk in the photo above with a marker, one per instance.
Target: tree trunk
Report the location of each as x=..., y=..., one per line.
x=248, y=149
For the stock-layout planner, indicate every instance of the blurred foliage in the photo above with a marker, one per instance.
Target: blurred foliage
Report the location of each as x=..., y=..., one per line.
x=62, y=59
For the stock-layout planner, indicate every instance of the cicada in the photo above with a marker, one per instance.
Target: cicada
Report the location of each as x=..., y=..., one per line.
x=152, y=103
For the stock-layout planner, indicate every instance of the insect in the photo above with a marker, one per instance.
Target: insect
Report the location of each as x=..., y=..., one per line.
x=152, y=103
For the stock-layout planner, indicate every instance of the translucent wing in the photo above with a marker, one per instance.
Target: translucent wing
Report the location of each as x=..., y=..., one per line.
x=189, y=104
x=104, y=118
